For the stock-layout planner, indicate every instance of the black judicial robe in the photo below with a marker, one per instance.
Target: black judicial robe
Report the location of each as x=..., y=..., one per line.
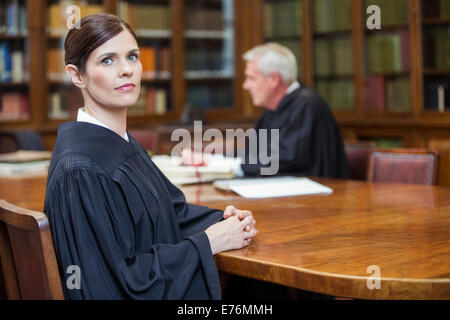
x=310, y=141
x=130, y=231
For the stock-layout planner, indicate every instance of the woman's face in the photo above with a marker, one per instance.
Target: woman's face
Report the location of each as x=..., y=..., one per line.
x=113, y=72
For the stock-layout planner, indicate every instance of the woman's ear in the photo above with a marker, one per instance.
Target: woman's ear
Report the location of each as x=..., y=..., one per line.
x=75, y=76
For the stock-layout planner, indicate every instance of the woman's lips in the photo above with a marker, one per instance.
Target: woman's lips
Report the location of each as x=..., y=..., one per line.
x=126, y=87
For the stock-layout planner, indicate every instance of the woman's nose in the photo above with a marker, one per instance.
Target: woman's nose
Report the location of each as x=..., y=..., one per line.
x=125, y=69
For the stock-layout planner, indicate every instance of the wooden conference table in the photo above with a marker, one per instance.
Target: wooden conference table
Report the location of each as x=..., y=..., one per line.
x=369, y=241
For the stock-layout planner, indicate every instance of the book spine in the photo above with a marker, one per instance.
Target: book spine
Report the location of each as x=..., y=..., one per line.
x=5, y=55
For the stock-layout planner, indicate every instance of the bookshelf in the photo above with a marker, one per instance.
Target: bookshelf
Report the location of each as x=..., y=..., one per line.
x=151, y=21
x=210, y=53
x=332, y=53
x=391, y=86
x=282, y=23
x=14, y=64
x=64, y=99
x=172, y=44
x=436, y=55
x=388, y=60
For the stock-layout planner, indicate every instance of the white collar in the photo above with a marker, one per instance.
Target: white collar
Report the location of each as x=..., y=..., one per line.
x=84, y=117
x=294, y=85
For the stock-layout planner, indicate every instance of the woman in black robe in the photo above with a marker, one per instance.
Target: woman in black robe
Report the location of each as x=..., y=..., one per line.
x=120, y=229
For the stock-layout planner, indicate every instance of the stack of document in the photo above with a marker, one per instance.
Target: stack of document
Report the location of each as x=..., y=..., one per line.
x=273, y=187
x=24, y=163
x=215, y=167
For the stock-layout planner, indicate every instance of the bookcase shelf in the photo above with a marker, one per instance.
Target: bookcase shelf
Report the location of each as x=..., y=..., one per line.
x=436, y=56
x=153, y=34
x=282, y=38
x=388, y=28
x=436, y=72
x=435, y=21
x=12, y=37
x=14, y=84
x=332, y=34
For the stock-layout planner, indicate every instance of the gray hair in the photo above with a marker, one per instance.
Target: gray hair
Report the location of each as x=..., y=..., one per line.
x=274, y=57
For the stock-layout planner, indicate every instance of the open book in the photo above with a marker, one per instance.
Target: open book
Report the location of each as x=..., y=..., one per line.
x=273, y=187
x=179, y=174
x=24, y=163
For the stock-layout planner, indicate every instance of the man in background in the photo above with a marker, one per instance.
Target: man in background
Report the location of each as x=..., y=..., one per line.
x=310, y=143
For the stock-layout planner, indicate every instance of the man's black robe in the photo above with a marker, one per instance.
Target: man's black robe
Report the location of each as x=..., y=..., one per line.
x=130, y=231
x=310, y=141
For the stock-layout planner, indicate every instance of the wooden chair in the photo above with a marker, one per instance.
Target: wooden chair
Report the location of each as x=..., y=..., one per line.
x=414, y=166
x=27, y=256
x=20, y=140
x=358, y=153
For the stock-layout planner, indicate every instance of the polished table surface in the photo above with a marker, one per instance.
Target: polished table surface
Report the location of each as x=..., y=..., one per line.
x=370, y=241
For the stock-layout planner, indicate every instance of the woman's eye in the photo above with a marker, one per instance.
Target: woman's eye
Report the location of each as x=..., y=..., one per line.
x=133, y=57
x=107, y=61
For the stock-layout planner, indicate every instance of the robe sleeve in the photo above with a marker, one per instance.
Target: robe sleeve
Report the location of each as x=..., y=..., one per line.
x=92, y=229
x=295, y=141
x=191, y=218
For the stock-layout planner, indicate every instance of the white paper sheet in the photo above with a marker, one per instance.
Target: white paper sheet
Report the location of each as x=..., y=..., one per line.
x=273, y=187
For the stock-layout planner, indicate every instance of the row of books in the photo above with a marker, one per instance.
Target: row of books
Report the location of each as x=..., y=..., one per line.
x=444, y=9
x=200, y=59
x=437, y=48
x=210, y=97
x=332, y=15
x=24, y=163
x=387, y=53
x=333, y=56
x=14, y=106
x=59, y=18
x=437, y=95
x=56, y=68
x=64, y=103
x=13, y=64
x=13, y=18
x=436, y=9
x=393, y=12
x=151, y=101
x=282, y=18
x=145, y=16
x=337, y=93
x=393, y=94
x=206, y=19
x=155, y=62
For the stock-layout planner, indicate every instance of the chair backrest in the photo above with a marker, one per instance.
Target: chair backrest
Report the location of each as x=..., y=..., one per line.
x=148, y=138
x=27, y=256
x=414, y=166
x=358, y=158
x=20, y=140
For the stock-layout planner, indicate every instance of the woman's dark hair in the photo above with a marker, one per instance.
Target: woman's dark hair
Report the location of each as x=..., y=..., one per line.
x=92, y=32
